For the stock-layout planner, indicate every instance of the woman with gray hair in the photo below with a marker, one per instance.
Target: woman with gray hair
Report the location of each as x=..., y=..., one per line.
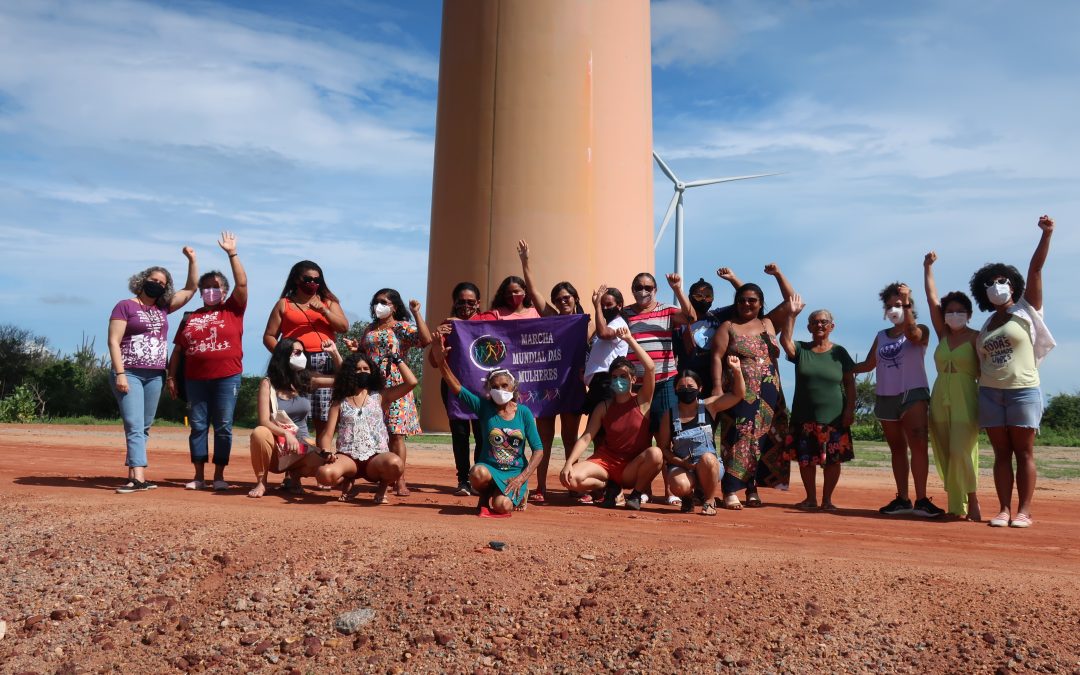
x=209, y=345
x=824, y=407
x=138, y=347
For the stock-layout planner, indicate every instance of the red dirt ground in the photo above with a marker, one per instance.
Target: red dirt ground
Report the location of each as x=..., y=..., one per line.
x=174, y=580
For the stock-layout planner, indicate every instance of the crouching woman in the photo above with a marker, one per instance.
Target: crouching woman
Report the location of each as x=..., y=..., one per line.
x=501, y=474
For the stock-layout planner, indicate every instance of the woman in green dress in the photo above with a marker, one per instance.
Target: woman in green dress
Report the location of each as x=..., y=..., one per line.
x=954, y=418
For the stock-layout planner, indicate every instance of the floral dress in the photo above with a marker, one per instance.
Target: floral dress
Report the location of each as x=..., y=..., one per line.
x=379, y=343
x=752, y=442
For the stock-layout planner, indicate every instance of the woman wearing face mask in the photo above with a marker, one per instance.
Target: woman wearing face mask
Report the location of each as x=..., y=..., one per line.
x=389, y=333
x=138, y=347
x=501, y=476
x=211, y=341
x=954, y=412
x=564, y=301
x=753, y=431
x=824, y=406
x=902, y=396
x=623, y=456
x=511, y=302
x=686, y=438
x=693, y=343
x=466, y=303
x=1011, y=346
x=309, y=312
x=281, y=442
x=361, y=399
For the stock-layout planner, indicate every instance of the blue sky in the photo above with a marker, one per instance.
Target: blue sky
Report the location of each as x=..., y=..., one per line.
x=129, y=129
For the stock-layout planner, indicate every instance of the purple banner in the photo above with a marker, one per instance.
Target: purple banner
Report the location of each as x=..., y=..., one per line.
x=546, y=356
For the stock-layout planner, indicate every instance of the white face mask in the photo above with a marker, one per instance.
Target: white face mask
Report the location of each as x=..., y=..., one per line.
x=999, y=294
x=956, y=320
x=298, y=361
x=501, y=396
x=895, y=314
x=383, y=310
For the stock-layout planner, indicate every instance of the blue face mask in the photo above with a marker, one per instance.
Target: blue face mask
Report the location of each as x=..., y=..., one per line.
x=620, y=385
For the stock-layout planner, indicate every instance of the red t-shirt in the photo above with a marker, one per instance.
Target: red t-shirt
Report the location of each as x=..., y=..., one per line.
x=212, y=339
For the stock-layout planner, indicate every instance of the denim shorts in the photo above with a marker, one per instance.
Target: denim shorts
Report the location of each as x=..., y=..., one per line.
x=1010, y=407
x=892, y=408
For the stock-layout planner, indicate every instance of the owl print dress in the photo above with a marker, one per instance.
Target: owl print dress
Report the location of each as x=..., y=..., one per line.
x=503, y=451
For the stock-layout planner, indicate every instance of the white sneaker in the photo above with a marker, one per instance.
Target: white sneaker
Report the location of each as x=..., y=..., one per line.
x=195, y=485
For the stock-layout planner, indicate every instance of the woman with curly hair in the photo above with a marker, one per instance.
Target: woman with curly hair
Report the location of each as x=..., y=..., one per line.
x=138, y=347
x=954, y=419
x=1011, y=345
x=391, y=333
x=903, y=393
x=360, y=401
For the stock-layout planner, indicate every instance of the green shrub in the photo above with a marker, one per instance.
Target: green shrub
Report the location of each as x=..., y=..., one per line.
x=19, y=406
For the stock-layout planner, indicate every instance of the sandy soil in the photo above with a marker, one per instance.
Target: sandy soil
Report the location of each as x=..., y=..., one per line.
x=174, y=580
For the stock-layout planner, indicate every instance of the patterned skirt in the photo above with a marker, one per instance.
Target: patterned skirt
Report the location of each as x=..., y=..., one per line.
x=816, y=444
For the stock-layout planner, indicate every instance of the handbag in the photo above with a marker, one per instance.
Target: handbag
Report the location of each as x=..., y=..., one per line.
x=282, y=419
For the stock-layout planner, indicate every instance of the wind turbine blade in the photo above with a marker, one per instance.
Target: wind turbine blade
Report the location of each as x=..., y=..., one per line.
x=710, y=181
x=667, y=219
x=665, y=168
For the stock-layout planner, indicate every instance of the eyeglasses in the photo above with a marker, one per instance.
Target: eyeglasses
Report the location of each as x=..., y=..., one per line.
x=1000, y=280
x=308, y=279
x=564, y=298
x=642, y=287
x=747, y=301
x=820, y=322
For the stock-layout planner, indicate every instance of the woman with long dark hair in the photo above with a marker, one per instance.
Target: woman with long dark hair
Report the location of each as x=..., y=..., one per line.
x=308, y=311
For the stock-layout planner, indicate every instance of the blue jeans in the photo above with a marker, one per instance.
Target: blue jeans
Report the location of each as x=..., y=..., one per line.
x=137, y=408
x=212, y=402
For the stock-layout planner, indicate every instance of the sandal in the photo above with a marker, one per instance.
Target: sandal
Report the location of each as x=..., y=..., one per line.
x=804, y=504
x=537, y=497
x=1021, y=520
x=195, y=485
x=380, y=493
x=732, y=502
x=708, y=509
x=753, y=501
x=585, y=499
x=221, y=486
x=672, y=500
x=1000, y=520
x=828, y=506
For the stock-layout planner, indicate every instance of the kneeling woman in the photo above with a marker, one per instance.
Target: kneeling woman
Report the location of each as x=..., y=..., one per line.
x=687, y=439
x=358, y=406
x=623, y=456
x=500, y=476
x=280, y=442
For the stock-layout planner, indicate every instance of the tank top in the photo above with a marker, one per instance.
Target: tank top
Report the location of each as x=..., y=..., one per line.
x=1007, y=356
x=307, y=326
x=626, y=430
x=692, y=439
x=297, y=408
x=361, y=432
x=900, y=366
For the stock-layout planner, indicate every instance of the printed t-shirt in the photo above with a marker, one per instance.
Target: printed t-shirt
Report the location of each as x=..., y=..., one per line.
x=504, y=440
x=145, y=343
x=212, y=340
x=819, y=383
x=603, y=352
x=1007, y=356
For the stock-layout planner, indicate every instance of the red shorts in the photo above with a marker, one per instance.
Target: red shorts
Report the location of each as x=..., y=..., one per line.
x=613, y=464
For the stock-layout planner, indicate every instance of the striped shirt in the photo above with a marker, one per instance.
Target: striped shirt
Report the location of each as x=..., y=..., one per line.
x=652, y=330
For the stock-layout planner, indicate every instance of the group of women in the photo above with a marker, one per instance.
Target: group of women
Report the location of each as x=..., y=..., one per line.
x=663, y=384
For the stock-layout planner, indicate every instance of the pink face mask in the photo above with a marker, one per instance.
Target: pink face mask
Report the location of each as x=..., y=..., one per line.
x=212, y=296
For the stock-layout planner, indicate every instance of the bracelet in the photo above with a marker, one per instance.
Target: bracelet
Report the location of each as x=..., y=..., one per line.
x=907, y=306
x=120, y=373
x=170, y=377
x=233, y=255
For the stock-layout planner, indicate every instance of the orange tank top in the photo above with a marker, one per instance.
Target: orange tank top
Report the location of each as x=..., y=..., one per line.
x=307, y=326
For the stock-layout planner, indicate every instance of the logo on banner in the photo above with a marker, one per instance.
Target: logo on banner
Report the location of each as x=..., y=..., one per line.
x=488, y=352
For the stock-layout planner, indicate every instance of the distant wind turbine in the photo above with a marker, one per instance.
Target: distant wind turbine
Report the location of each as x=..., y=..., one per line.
x=676, y=205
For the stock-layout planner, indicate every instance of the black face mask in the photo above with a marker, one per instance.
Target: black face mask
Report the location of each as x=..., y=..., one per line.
x=362, y=380
x=610, y=314
x=153, y=289
x=701, y=307
x=686, y=394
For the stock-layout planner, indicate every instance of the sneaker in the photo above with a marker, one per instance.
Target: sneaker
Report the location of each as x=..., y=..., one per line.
x=633, y=502
x=134, y=486
x=463, y=490
x=925, y=507
x=193, y=485
x=612, y=491
x=896, y=507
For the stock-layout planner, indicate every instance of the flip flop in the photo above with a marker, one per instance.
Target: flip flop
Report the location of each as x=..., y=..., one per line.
x=220, y=486
x=485, y=512
x=829, y=506
x=195, y=485
x=707, y=509
x=753, y=501
x=805, y=504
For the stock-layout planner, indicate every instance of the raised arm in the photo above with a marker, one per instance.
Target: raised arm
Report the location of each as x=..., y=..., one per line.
x=1033, y=291
x=933, y=301
x=787, y=335
x=729, y=276
x=602, y=330
x=912, y=329
x=538, y=301
x=648, y=379
x=729, y=399
x=408, y=383
x=240, y=280
x=439, y=354
x=421, y=326
x=182, y=296
x=688, y=315
x=786, y=291
x=719, y=350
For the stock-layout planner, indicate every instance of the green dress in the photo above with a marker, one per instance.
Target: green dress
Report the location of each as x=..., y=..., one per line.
x=954, y=422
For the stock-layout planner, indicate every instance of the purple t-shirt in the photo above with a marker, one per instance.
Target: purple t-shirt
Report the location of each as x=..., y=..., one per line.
x=145, y=343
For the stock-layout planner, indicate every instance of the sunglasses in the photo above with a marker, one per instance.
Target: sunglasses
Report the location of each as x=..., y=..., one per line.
x=466, y=303
x=564, y=298
x=642, y=287
x=307, y=279
x=993, y=282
